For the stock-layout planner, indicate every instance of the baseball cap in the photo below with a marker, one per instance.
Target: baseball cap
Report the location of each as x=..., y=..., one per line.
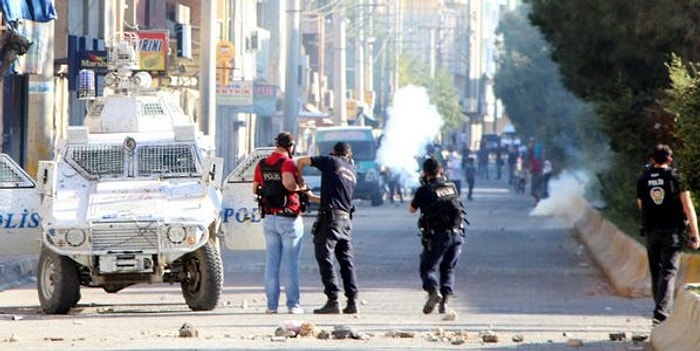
x=284, y=139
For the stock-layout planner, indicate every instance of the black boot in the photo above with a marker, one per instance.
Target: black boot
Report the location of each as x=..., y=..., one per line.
x=433, y=299
x=442, y=307
x=331, y=307
x=351, y=307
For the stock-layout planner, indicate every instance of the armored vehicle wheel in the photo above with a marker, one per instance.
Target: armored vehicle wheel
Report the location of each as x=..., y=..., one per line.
x=57, y=282
x=204, y=278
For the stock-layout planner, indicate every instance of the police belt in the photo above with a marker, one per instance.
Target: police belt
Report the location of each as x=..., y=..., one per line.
x=433, y=232
x=283, y=213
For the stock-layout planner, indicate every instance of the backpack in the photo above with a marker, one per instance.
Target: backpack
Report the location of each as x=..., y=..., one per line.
x=272, y=193
x=446, y=213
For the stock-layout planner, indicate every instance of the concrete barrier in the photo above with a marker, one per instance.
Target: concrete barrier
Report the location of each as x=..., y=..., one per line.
x=625, y=264
x=621, y=258
x=680, y=331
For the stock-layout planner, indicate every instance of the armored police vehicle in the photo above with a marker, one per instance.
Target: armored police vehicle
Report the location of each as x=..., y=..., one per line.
x=132, y=196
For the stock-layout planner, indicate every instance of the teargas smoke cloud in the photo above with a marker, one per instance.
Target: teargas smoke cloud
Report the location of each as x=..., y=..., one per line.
x=567, y=191
x=413, y=123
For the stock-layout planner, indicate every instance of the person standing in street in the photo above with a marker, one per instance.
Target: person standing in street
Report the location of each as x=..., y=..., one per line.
x=277, y=183
x=667, y=213
x=442, y=230
x=332, y=230
x=455, y=173
x=470, y=176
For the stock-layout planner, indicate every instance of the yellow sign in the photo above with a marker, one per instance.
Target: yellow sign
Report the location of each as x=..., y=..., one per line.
x=225, y=51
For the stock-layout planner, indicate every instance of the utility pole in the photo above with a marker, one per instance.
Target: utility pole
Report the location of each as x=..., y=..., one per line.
x=340, y=115
x=397, y=46
x=207, y=68
x=359, y=57
x=291, y=90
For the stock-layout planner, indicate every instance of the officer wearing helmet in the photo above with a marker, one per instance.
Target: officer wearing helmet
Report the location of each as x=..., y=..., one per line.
x=332, y=230
x=442, y=231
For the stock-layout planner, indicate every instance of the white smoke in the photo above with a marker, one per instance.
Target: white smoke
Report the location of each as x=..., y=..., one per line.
x=566, y=196
x=413, y=123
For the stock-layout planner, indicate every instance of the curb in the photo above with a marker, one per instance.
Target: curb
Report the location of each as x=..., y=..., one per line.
x=680, y=331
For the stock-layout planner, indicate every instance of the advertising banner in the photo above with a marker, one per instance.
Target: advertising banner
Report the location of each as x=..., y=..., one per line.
x=153, y=51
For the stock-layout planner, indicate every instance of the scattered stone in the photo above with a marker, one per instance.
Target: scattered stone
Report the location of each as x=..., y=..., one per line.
x=283, y=332
x=619, y=336
x=458, y=341
x=451, y=315
x=399, y=334
x=518, y=338
x=13, y=338
x=17, y=318
x=637, y=337
x=244, y=305
x=432, y=338
x=360, y=336
x=293, y=327
x=188, y=330
x=489, y=336
x=51, y=338
x=342, y=332
x=308, y=329
x=324, y=335
x=574, y=342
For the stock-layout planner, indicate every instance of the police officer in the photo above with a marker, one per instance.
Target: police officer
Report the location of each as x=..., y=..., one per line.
x=442, y=234
x=333, y=229
x=667, y=212
x=277, y=182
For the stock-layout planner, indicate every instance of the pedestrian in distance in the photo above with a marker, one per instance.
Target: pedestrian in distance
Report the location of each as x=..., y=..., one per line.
x=470, y=176
x=332, y=230
x=546, y=177
x=277, y=183
x=668, y=215
x=455, y=173
x=442, y=234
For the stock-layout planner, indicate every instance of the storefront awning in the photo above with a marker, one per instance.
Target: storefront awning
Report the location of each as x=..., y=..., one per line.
x=34, y=10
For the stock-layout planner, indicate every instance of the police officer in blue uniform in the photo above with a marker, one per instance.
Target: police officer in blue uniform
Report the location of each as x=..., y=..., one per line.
x=332, y=230
x=667, y=214
x=442, y=229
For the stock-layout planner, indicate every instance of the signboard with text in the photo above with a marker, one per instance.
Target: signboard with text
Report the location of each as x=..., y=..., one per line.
x=236, y=93
x=153, y=51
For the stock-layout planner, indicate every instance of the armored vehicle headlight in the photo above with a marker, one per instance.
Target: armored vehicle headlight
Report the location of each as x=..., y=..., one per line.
x=75, y=236
x=176, y=234
x=130, y=143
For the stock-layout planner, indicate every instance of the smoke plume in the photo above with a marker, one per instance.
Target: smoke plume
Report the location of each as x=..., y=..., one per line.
x=413, y=123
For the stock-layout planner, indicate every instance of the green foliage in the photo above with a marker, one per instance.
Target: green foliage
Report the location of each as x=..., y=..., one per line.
x=683, y=100
x=614, y=54
x=440, y=88
x=529, y=84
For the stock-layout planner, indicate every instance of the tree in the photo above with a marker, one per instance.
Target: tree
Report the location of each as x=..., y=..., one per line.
x=440, y=88
x=529, y=84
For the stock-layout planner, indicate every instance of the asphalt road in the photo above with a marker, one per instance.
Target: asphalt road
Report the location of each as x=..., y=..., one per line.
x=520, y=277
